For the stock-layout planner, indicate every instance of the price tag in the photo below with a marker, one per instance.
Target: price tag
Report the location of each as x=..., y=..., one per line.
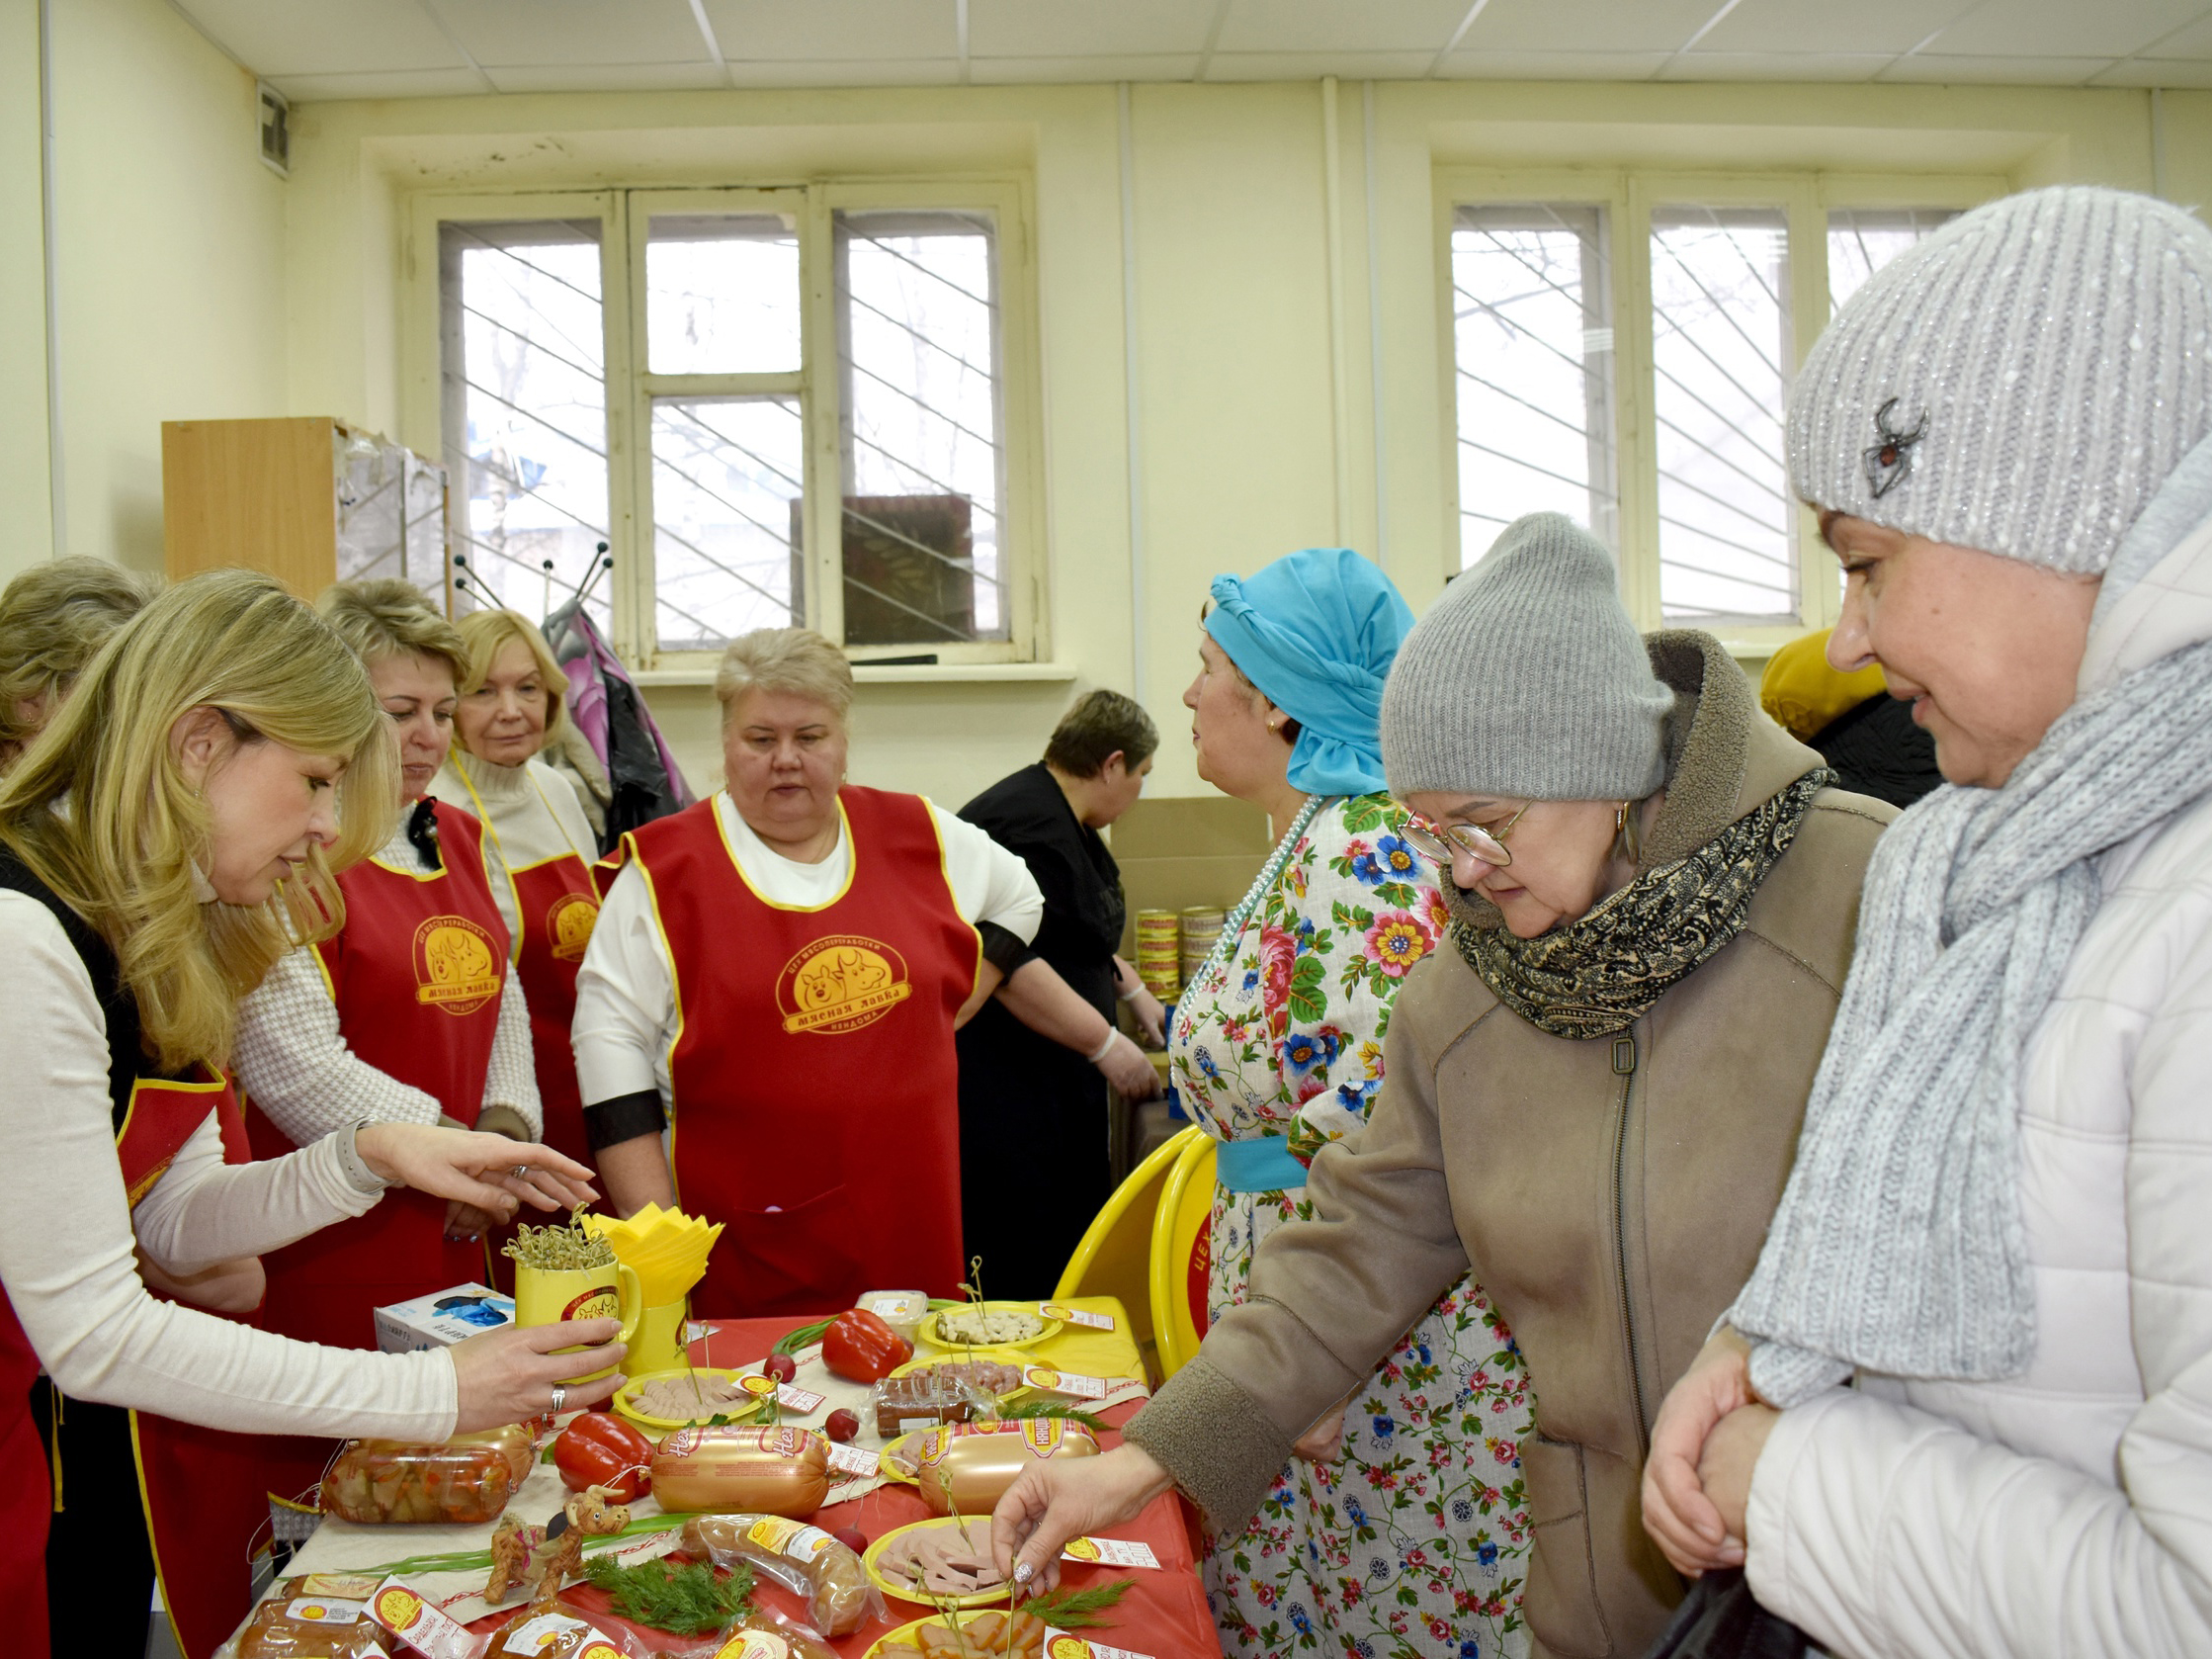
x=853, y=1459
x=1069, y=1383
x=791, y=1398
x=419, y=1624
x=1058, y=1644
x=1076, y=1316
x=1111, y=1552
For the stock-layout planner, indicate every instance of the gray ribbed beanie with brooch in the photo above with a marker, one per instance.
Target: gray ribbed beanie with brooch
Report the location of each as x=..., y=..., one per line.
x=2023, y=380
x=1527, y=679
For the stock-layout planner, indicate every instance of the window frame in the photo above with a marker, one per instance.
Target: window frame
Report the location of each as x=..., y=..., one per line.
x=1626, y=194
x=624, y=213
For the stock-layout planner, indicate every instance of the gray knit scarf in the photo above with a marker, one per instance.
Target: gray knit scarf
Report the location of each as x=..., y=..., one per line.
x=1899, y=1244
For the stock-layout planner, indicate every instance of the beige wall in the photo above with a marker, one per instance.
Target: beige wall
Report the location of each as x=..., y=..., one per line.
x=23, y=339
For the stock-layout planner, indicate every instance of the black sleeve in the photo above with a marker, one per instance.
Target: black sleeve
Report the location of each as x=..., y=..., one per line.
x=626, y=1117
x=1006, y=951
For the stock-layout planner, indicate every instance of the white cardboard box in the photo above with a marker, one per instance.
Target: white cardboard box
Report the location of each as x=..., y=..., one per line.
x=442, y=1319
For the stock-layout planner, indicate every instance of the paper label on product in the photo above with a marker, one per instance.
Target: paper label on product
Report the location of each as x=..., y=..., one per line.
x=910, y=1425
x=754, y=1645
x=345, y=1586
x=1058, y=1644
x=533, y=1634
x=420, y=1626
x=1070, y=1383
x=902, y=1307
x=1076, y=1316
x=325, y=1609
x=795, y=1540
x=1110, y=1552
x=787, y=1396
x=853, y=1461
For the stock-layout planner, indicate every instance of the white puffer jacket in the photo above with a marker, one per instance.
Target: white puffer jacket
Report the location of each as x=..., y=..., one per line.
x=2067, y=1511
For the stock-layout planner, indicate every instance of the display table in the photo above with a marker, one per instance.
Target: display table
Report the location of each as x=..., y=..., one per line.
x=1165, y=1614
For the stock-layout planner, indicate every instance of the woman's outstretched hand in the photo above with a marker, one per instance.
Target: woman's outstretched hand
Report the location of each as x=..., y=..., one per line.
x=1065, y=1497
x=489, y=1173
x=508, y=1376
x=1678, y=1512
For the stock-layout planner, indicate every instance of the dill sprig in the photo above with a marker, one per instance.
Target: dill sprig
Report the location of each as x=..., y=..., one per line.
x=1078, y=1609
x=1007, y=1413
x=686, y=1600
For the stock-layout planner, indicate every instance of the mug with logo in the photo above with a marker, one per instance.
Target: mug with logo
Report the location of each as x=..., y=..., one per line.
x=549, y=1295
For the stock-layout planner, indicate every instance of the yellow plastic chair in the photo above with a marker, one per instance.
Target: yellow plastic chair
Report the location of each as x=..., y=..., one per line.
x=1182, y=1244
x=1114, y=1258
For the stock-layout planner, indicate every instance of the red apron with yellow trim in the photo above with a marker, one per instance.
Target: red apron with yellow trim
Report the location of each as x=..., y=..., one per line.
x=815, y=1104
x=559, y=906
x=416, y=975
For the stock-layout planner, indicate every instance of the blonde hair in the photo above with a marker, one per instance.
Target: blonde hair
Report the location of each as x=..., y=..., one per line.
x=126, y=851
x=797, y=662
x=52, y=618
x=486, y=633
x=393, y=617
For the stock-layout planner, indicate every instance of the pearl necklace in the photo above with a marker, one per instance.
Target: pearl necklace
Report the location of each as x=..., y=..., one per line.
x=1233, y=926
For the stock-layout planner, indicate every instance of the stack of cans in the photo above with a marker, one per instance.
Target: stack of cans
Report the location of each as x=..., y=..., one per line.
x=1202, y=930
x=1157, y=961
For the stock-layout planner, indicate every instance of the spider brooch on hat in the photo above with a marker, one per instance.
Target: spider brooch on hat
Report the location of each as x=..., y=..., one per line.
x=1890, y=462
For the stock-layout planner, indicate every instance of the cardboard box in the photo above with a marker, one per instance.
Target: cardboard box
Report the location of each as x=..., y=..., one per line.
x=442, y=1319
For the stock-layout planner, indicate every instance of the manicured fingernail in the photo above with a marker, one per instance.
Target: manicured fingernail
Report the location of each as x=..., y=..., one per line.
x=1024, y=1573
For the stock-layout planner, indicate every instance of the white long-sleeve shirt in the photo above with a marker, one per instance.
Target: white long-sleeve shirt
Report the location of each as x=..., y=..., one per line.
x=625, y=995
x=294, y=1061
x=530, y=814
x=66, y=1237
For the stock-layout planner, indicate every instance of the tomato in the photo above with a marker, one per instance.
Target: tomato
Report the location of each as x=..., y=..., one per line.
x=860, y=1347
x=598, y=1450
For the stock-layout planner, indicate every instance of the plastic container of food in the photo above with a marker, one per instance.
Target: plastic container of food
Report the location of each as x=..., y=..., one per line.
x=902, y=1310
x=376, y=1483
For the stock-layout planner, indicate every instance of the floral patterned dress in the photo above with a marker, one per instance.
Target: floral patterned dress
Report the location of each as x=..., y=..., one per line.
x=1408, y=1542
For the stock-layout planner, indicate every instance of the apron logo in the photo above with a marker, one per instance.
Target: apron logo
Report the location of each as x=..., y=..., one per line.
x=568, y=927
x=841, y=982
x=457, y=968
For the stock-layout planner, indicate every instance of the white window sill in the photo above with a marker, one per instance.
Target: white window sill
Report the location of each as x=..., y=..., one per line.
x=939, y=673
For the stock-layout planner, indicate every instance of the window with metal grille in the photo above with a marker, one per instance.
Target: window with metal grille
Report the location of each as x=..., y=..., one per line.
x=1861, y=240
x=1533, y=351
x=523, y=394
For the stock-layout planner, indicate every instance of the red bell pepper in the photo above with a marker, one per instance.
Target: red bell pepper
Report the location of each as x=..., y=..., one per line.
x=860, y=1347
x=598, y=1450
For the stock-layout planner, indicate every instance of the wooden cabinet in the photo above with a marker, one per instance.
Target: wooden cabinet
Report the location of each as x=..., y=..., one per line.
x=309, y=500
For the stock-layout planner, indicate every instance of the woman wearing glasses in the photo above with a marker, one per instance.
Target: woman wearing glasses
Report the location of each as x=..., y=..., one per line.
x=1594, y=1081
x=1404, y=1527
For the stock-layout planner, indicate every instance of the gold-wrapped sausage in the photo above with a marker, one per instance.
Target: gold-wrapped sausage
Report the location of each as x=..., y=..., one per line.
x=765, y=1471
x=805, y=1560
x=968, y=1466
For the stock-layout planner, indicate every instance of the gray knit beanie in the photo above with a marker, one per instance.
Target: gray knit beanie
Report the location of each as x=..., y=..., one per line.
x=1527, y=678
x=2021, y=381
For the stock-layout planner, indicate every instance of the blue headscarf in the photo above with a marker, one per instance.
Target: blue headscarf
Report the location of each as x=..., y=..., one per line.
x=1316, y=632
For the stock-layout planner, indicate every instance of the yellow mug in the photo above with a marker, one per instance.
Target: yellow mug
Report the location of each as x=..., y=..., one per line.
x=661, y=1340
x=549, y=1295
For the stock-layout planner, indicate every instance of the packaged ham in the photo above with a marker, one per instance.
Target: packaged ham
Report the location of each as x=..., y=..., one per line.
x=955, y=1391
x=776, y=1472
x=550, y=1630
x=967, y=1468
x=460, y=1482
x=307, y=1626
x=805, y=1560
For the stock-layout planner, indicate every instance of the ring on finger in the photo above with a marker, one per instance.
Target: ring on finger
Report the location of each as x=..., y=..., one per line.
x=559, y=1398
x=521, y=1169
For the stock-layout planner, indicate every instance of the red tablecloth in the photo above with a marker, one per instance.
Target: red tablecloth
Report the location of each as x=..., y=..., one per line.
x=1165, y=1614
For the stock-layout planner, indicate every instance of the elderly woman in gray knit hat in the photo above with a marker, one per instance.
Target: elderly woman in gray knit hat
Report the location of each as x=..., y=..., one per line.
x=1998, y=1218
x=1591, y=1096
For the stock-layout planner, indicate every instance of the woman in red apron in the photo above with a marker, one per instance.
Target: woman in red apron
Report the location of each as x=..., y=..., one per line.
x=407, y=1014
x=201, y=759
x=775, y=979
x=539, y=847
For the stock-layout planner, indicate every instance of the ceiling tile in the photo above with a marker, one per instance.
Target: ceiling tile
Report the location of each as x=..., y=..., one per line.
x=1275, y=26
x=577, y=33
x=1598, y=26
x=2193, y=41
x=1312, y=66
x=608, y=77
x=2064, y=28
x=1072, y=29
x=1552, y=65
x=2189, y=72
x=397, y=83
x=325, y=37
x=1053, y=71
x=834, y=31
x=837, y=72
x=1704, y=66
x=1825, y=26
x=1997, y=72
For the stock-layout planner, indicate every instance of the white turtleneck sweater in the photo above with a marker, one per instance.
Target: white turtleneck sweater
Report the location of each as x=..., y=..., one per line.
x=530, y=812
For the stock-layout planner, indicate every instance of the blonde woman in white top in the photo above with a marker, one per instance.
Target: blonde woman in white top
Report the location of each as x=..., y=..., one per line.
x=539, y=847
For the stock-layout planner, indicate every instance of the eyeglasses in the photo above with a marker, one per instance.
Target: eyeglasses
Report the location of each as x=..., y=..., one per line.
x=1440, y=844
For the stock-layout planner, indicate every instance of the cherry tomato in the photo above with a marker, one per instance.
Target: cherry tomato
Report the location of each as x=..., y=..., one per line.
x=860, y=1347
x=598, y=1450
x=841, y=1426
x=782, y=1367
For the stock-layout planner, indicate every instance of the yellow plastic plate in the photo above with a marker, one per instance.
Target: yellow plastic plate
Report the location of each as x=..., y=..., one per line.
x=1073, y=1646
x=926, y=1332
x=626, y=1402
x=907, y=1592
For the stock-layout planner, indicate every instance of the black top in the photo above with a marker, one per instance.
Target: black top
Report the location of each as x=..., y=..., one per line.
x=127, y=1057
x=1027, y=815
x=1875, y=749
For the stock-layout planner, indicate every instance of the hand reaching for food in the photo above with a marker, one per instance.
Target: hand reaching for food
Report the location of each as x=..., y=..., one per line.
x=1060, y=1499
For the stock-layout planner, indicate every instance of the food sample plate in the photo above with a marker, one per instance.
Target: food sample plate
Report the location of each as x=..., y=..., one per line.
x=635, y=1398
x=906, y=1447
x=978, y=1530
x=988, y=1638
x=1001, y=1325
